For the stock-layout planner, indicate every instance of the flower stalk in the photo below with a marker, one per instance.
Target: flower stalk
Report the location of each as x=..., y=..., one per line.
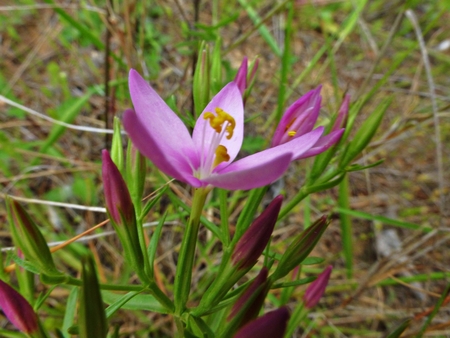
x=186, y=256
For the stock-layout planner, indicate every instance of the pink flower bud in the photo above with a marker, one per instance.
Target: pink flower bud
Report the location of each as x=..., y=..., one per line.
x=272, y=325
x=243, y=79
x=17, y=309
x=251, y=245
x=241, y=76
x=341, y=119
x=117, y=196
x=317, y=288
x=251, y=300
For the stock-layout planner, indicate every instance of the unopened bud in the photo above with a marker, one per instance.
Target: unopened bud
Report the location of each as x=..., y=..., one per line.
x=251, y=245
x=28, y=238
x=17, y=309
x=272, y=325
x=300, y=248
x=317, y=288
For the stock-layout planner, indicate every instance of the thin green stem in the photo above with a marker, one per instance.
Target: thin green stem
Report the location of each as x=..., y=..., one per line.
x=293, y=202
x=346, y=225
x=161, y=297
x=187, y=252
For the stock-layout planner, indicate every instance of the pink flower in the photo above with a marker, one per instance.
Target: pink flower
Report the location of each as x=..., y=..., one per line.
x=300, y=118
x=206, y=157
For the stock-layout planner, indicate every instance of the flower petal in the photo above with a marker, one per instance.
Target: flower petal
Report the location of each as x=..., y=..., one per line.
x=161, y=123
x=165, y=158
x=264, y=167
x=230, y=100
x=251, y=172
x=300, y=145
x=323, y=144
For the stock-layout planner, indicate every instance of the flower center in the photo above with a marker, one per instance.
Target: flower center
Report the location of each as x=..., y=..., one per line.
x=223, y=124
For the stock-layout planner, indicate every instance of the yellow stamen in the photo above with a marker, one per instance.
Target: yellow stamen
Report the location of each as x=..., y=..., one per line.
x=292, y=133
x=221, y=155
x=217, y=121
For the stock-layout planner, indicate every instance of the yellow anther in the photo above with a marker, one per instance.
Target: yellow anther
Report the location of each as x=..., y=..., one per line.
x=216, y=121
x=292, y=133
x=221, y=155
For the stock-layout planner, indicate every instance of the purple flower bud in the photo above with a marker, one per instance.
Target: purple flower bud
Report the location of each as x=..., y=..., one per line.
x=241, y=76
x=316, y=289
x=251, y=300
x=17, y=309
x=251, y=245
x=243, y=79
x=341, y=119
x=272, y=325
x=117, y=196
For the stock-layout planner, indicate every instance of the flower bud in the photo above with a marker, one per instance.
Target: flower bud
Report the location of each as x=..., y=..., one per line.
x=216, y=66
x=317, y=288
x=201, y=81
x=241, y=76
x=243, y=79
x=272, y=325
x=251, y=245
x=117, y=196
x=29, y=239
x=251, y=300
x=342, y=116
x=364, y=134
x=18, y=310
x=300, y=248
x=122, y=214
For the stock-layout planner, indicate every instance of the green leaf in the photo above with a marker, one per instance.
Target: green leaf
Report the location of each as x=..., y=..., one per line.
x=92, y=321
x=398, y=330
x=69, y=315
x=119, y=303
x=313, y=260
x=139, y=302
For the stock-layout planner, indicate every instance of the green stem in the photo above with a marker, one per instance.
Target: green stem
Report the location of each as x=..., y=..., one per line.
x=293, y=202
x=161, y=297
x=187, y=252
x=346, y=226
